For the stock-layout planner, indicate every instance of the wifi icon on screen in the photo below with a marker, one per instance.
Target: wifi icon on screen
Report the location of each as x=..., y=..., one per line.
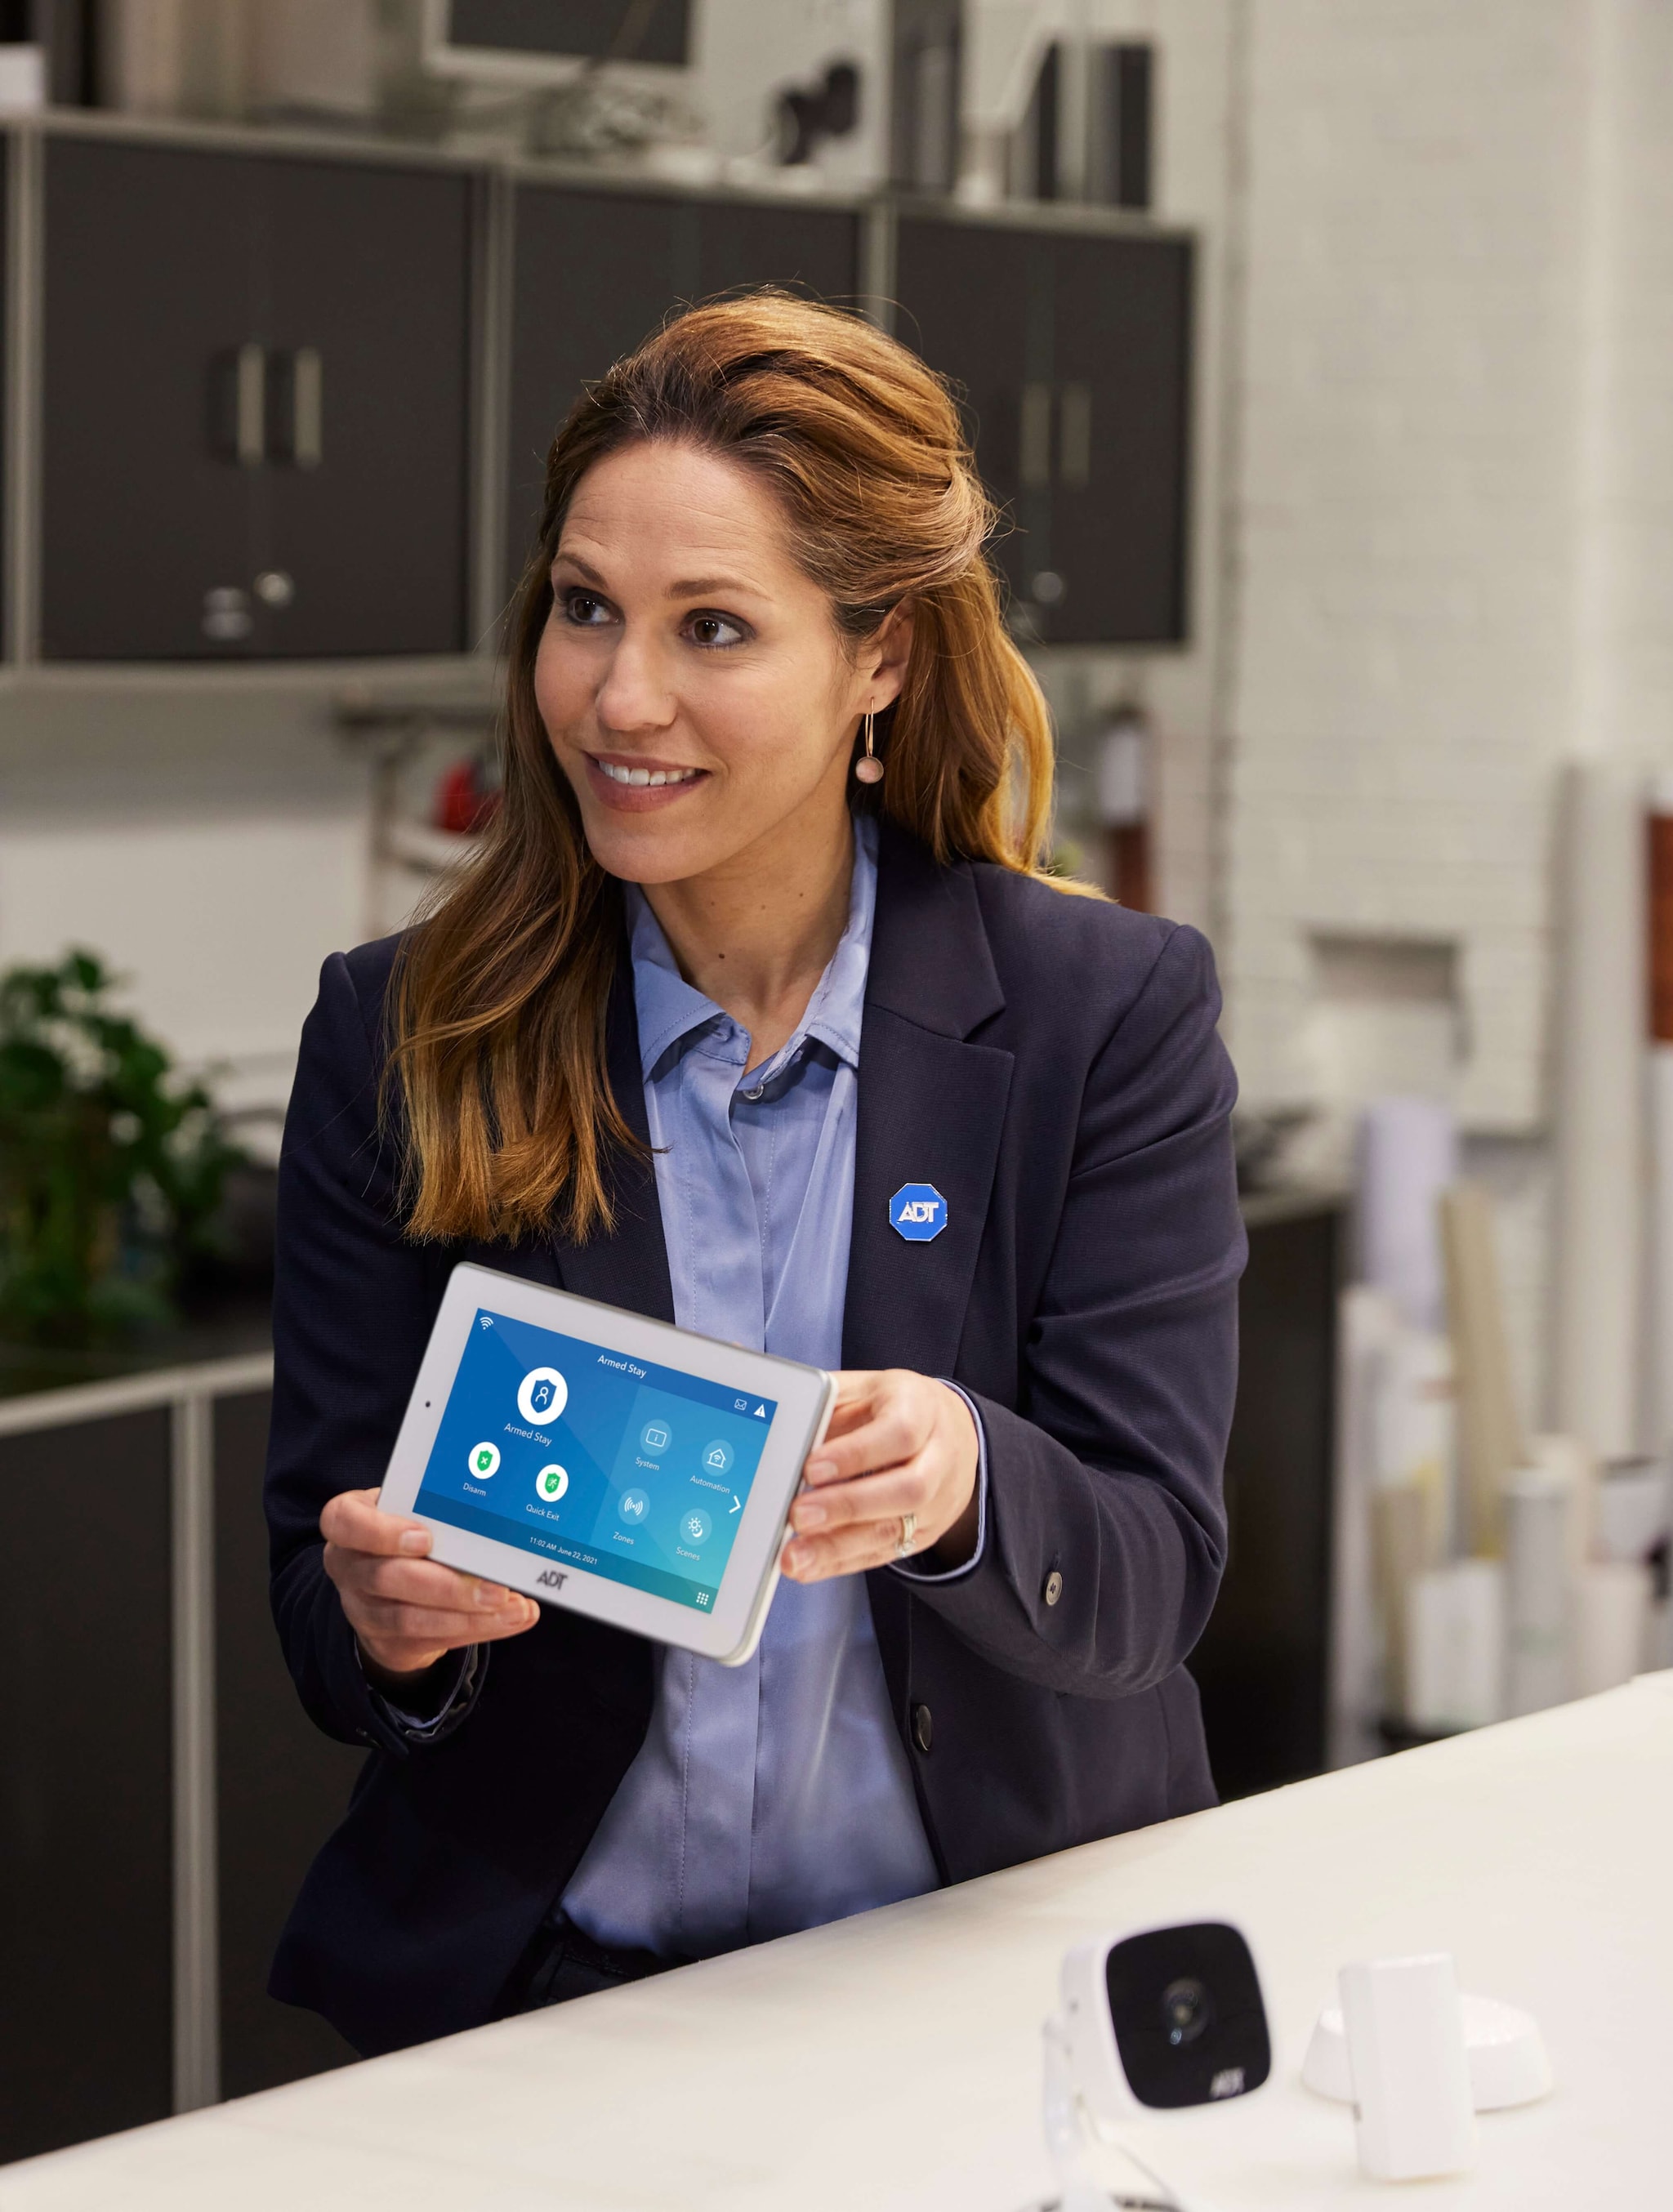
x=488, y=1321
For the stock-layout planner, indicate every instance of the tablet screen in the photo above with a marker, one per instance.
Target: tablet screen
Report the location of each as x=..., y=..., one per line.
x=631, y=1471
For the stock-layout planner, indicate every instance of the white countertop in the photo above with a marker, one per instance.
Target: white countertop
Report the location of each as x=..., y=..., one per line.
x=893, y=2061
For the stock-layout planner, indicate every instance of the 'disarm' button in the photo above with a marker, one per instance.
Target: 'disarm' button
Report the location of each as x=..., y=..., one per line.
x=1054, y=1588
x=923, y=1726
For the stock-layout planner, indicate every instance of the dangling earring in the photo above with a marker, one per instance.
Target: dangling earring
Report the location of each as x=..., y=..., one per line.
x=869, y=768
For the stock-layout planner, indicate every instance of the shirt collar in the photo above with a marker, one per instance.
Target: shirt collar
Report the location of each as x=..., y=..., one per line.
x=671, y=1010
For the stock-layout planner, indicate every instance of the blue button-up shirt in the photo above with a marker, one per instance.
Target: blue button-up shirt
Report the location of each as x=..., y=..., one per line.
x=775, y=1795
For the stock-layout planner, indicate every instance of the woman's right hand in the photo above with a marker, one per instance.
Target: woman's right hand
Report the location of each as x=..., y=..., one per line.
x=408, y=1611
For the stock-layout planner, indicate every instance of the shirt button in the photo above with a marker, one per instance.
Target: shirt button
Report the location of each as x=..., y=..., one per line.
x=1054, y=1586
x=923, y=1726
x=756, y=1092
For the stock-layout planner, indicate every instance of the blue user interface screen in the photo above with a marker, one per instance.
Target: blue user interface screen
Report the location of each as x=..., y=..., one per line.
x=631, y=1471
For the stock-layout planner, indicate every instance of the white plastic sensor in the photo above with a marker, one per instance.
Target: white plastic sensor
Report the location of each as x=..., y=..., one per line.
x=1412, y=2105
x=1508, y=2064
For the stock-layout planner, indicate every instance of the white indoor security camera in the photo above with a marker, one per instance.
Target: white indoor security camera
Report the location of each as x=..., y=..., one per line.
x=1163, y=2020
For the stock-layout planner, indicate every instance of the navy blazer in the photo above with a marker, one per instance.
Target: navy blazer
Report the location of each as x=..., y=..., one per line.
x=1051, y=1064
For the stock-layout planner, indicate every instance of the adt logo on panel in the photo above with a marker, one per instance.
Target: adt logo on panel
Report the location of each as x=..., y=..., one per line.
x=919, y=1211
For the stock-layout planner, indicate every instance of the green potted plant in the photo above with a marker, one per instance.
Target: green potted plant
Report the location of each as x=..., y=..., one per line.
x=112, y=1166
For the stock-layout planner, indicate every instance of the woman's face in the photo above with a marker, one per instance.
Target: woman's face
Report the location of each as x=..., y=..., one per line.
x=692, y=679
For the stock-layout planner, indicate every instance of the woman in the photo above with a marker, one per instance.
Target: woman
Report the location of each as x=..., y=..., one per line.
x=713, y=994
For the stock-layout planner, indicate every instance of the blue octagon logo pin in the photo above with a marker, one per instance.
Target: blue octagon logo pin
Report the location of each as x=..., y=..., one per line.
x=919, y=1211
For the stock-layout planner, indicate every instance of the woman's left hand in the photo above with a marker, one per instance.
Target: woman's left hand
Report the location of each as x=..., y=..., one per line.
x=898, y=1444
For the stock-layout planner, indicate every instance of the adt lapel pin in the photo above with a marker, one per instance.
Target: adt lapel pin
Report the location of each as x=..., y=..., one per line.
x=918, y=1211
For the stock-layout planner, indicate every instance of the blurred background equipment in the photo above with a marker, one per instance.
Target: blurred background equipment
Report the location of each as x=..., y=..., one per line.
x=1055, y=106
x=1408, y=1155
x=429, y=801
x=1599, y=1250
x=1479, y=1572
x=522, y=40
x=829, y=109
x=1123, y=806
x=926, y=57
x=1657, y=1377
x=1489, y=1429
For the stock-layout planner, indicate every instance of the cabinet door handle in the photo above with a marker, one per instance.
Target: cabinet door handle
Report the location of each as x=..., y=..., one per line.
x=251, y=406
x=295, y=408
x=1075, y=436
x=1036, y=443
x=238, y=406
x=307, y=407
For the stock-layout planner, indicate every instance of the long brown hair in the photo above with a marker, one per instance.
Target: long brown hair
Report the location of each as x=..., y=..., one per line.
x=499, y=1003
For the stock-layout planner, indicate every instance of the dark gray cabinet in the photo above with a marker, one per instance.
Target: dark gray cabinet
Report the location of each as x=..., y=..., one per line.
x=86, y=1783
x=1073, y=351
x=597, y=272
x=256, y=404
x=281, y=1786
x=89, y=2007
x=1263, y=1666
x=260, y=421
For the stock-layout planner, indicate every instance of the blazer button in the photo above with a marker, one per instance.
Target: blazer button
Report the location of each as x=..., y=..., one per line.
x=1054, y=1588
x=923, y=1726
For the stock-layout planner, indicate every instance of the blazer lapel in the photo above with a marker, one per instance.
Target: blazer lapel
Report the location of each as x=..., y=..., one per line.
x=630, y=1266
x=931, y=1108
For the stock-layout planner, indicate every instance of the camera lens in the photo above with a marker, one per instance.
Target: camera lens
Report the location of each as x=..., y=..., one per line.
x=1187, y=2010
x=1185, y=2006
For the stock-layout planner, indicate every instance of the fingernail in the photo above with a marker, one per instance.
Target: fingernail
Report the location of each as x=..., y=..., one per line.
x=799, y=1558
x=415, y=1540
x=491, y=1593
x=530, y=1610
x=820, y=1470
x=810, y=1514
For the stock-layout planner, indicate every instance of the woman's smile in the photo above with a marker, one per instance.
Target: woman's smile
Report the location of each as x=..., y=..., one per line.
x=635, y=786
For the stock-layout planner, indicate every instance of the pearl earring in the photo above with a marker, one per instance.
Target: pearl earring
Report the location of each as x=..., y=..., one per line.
x=869, y=768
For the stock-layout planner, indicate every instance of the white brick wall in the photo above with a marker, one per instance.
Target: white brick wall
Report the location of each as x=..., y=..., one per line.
x=1626, y=682
x=1452, y=519
x=1406, y=512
